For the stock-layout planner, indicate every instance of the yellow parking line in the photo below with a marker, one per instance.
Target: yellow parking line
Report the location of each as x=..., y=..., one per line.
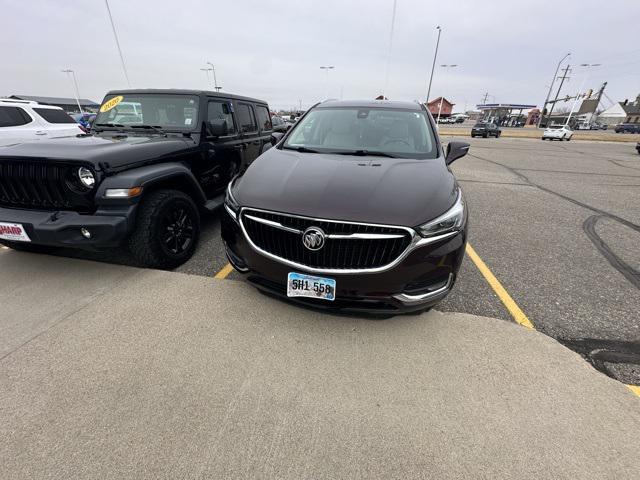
x=517, y=314
x=511, y=305
x=226, y=270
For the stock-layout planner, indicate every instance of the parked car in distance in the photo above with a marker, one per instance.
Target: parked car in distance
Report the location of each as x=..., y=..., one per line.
x=22, y=120
x=355, y=209
x=484, y=129
x=279, y=124
x=627, y=128
x=557, y=132
x=141, y=184
x=638, y=147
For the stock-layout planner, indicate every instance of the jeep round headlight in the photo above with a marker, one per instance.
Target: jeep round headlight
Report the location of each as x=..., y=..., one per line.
x=86, y=177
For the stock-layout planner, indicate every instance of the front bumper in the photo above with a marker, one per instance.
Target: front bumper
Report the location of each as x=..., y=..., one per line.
x=62, y=229
x=423, y=277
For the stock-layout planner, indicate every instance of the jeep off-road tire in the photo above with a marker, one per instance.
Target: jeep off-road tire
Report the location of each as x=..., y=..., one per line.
x=167, y=230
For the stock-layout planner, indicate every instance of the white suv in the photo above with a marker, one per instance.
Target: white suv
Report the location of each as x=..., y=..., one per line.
x=557, y=132
x=22, y=120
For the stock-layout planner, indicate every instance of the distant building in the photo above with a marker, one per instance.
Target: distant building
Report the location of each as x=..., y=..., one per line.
x=69, y=105
x=621, y=112
x=505, y=114
x=532, y=117
x=434, y=107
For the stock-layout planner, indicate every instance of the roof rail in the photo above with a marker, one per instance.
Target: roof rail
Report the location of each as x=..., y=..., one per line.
x=13, y=100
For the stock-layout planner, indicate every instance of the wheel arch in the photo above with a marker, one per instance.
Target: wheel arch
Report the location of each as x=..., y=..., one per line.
x=173, y=176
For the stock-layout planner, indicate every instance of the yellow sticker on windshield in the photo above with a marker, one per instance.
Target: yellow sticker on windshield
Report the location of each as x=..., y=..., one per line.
x=109, y=104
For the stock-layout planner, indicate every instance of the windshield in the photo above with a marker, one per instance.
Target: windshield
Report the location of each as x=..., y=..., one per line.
x=394, y=132
x=168, y=112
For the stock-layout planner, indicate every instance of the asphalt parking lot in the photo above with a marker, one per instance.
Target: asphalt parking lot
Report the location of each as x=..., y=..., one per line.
x=557, y=223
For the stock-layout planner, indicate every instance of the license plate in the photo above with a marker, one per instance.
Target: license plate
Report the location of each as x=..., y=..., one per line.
x=14, y=232
x=301, y=285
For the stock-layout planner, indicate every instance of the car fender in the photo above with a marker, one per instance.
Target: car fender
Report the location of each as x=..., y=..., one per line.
x=148, y=177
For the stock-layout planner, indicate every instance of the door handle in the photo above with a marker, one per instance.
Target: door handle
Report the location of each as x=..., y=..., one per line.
x=40, y=132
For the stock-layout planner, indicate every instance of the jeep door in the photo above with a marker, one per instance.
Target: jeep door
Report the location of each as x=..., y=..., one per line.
x=265, y=125
x=222, y=154
x=249, y=133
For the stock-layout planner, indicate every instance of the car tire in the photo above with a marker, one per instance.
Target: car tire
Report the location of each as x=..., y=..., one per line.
x=167, y=230
x=26, y=247
x=485, y=135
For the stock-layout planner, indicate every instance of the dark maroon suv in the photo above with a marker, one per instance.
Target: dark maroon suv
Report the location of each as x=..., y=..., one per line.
x=355, y=208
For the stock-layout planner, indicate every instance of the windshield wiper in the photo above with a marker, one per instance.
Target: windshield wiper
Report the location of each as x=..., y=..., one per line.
x=302, y=149
x=367, y=153
x=150, y=127
x=113, y=125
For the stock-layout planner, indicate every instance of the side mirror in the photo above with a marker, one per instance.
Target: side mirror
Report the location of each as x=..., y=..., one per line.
x=217, y=127
x=456, y=150
x=276, y=137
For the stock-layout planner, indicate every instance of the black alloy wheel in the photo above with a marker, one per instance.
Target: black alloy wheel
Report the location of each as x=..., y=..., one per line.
x=167, y=230
x=178, y=232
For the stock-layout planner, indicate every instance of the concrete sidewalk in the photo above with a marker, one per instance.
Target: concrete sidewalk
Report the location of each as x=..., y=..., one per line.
x=114, y=372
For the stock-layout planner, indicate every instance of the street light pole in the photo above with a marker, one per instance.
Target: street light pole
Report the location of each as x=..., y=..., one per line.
x=76, y=89
x=386, y=75
x=115, y=35
x=215, y=80
x=433, y=66
x=585, y=65
x=326, y=70
x=207, y=70
x=551, y=87
x=441, y=97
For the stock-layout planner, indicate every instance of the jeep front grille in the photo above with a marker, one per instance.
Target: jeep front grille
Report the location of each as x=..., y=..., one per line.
x=348, y=246
x=39, y=185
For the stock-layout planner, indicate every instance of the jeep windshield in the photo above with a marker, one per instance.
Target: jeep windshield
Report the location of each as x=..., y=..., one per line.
x=381, y=132
x=153, y=111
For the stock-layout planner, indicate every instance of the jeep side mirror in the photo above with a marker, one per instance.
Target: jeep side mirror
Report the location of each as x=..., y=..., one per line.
x=217, y=127
x=456, y=150
x=276, y=137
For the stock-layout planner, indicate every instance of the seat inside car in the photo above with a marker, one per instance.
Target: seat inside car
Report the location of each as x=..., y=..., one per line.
x=398, y=136
x=340, y=133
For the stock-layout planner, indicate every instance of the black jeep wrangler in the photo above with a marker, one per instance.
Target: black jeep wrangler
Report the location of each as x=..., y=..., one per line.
x=153, y=161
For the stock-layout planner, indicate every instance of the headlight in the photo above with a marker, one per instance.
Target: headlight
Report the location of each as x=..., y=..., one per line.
x=449, y=221
x=86, y=177
x=230, y=203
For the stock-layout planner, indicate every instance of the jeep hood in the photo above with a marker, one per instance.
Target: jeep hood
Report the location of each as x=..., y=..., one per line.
x=116, y=150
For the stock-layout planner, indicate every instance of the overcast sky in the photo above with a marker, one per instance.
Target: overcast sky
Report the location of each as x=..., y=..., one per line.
x=273, y=49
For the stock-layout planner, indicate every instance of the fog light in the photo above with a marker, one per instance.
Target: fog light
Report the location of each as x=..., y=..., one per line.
x=85, y=233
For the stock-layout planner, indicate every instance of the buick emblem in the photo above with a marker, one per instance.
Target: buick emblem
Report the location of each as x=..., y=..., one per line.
x=313, y=238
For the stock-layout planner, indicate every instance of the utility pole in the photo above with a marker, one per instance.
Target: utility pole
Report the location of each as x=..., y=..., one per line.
x=433, y=66
x=562, y=79
x=550, y=87
x=484, y=99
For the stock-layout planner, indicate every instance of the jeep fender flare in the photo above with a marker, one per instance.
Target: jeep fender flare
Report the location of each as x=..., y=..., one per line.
x=148, y=176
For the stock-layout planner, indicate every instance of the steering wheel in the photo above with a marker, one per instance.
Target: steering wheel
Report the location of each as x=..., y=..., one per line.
x=397, y=140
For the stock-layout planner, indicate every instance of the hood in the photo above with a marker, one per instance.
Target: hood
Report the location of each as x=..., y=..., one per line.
x=363, y=189
x=116, y=150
